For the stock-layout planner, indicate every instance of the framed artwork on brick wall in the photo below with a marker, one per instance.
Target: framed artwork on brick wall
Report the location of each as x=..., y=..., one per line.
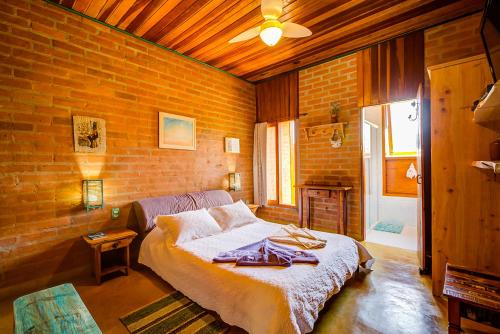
x=177, y=132
x=89, y=134
x=232, y=145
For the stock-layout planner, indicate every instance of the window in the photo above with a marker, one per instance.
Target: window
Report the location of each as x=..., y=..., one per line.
x=280, y=156
x=400, y=132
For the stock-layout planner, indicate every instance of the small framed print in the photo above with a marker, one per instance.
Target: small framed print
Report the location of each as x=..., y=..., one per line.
x=232, y=145
x=89, y=134
x=177, y=132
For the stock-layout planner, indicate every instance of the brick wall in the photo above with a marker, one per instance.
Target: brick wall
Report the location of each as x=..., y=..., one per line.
x=319, y=86
x=454, y=40
x=53, y=65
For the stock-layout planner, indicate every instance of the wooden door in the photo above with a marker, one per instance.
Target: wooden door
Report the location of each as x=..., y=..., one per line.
x=421, y=238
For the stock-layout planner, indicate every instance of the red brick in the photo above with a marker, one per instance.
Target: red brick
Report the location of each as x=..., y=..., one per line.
x=45, y=84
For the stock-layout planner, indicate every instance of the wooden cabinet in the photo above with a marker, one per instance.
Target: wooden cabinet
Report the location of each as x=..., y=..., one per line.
x=335, y=194
x=465, y=200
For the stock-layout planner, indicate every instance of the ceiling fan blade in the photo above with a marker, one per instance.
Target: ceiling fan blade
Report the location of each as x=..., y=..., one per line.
x=295, y=30
x=271, y=9
x=250, y=33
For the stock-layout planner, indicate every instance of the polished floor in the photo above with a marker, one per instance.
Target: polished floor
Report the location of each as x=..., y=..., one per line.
x=407, y=239
x=393, y=298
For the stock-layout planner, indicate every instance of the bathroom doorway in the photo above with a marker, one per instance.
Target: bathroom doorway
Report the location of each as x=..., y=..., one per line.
x=390, y=139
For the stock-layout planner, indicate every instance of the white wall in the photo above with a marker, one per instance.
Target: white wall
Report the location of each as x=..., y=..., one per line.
x=389, y=208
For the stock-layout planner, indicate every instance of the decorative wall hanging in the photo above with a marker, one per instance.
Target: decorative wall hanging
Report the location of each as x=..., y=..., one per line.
x=232, y=145
x=411, y=173
x=177, y=132
x=334, y=130
x=89, y=134
x=336, y=139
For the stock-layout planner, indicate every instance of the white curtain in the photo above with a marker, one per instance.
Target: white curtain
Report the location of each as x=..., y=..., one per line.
x=259, y=164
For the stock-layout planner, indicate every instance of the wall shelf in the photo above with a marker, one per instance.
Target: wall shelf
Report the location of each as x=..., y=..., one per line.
x=487, y=112
x=325, y=130
x=494, y=166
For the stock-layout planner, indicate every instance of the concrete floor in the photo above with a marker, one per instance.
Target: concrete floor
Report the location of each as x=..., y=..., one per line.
x=393, y=298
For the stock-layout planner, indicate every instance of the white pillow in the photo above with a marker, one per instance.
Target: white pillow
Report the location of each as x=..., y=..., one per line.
x=232, y=215
x=188, y=225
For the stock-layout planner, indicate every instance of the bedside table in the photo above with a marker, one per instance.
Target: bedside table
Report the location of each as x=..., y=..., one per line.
x=116, y=239
x=253, y=208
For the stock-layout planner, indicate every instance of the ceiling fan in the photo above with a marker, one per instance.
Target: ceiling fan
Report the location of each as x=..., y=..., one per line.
x=272, y=29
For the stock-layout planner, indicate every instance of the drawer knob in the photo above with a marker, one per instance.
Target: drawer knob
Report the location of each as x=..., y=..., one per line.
x=115, y=245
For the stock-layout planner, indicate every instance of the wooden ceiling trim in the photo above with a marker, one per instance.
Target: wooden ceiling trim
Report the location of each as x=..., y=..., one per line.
x=191, y=21
x=214, y=30
x=95, y=8
x=202, y=25
x=411, y=25
x=179, y=14
x=353, y=17
x=108, y=9
x=131, y=13
x=81, y=5
x=115, y=16
x=146, y=13
x=68, y=3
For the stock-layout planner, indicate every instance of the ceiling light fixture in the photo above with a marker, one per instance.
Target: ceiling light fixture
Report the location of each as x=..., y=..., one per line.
x=271, y=32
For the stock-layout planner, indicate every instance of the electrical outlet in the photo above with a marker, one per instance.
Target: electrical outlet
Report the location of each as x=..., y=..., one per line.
x=115, y=213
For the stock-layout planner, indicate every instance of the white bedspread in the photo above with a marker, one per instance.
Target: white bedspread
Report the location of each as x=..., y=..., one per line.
x=261, y=300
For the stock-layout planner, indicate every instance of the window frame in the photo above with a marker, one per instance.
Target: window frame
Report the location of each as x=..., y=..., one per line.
x=276, y=202
x=387, y=128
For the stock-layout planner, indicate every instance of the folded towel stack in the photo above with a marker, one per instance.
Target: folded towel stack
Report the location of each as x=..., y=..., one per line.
x=293, y=235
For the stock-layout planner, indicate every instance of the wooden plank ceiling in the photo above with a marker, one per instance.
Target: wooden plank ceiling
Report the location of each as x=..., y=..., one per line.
x=202, y=28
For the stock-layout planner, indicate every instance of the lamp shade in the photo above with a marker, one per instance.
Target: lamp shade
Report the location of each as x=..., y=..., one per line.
x=93, y=194
x=271, y=32
x=234, y=181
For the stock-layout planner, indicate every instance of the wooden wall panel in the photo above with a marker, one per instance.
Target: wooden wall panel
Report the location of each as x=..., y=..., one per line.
x=395, y=181
x=391, y=71
x=465, y=200
x=277, y=98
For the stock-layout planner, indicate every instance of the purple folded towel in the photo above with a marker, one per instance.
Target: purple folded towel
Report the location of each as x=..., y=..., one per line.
x=266, y=253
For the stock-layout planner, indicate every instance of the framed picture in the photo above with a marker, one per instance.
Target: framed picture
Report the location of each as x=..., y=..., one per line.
x=232, y=145
x=177, y=132
x=89, y=134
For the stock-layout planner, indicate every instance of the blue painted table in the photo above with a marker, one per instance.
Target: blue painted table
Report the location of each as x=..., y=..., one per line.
x=57, y=310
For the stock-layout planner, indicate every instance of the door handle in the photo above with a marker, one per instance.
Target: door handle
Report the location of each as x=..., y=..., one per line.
x=419, y=179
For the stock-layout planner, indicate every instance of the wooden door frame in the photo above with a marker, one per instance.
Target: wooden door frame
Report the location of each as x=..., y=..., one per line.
x=426, y=186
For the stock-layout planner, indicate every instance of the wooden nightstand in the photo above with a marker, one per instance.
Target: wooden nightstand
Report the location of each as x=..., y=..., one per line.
x=117, y=239
x=253, y=207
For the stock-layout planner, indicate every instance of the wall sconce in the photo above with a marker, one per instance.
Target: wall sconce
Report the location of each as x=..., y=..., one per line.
x=93, y=194
x=234, y=181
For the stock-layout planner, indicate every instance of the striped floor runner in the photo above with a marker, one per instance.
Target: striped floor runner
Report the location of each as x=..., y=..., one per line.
x=174, y=313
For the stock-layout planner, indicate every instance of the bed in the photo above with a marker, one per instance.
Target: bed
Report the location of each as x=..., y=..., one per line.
x=257, y=299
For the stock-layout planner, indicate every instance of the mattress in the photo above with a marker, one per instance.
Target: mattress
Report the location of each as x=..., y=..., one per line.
x=260, y=300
